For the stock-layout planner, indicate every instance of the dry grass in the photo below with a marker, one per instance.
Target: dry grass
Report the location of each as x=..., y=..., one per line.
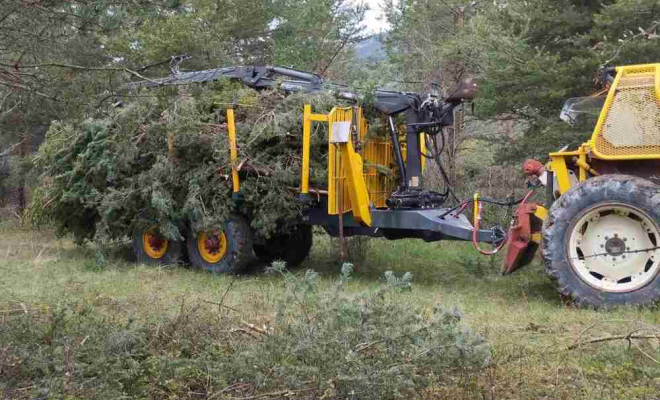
x=522, y=318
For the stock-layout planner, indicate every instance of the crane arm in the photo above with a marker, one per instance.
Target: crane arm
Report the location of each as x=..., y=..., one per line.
x=268, y=77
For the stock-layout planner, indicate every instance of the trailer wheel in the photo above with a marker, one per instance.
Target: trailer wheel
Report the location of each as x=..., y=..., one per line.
x=293, y=248
x=151, y=248
x=227, y=249
x=601, y=242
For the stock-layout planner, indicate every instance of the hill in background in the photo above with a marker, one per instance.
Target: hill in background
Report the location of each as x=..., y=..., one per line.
x=371, y=48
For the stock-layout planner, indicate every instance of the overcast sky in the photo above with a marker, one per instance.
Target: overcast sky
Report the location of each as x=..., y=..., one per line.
x=371, y=20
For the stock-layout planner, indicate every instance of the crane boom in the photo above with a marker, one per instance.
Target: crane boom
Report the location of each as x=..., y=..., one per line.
x=268, y=77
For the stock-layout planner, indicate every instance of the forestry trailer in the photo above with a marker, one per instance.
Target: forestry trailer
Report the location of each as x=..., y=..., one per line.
x=598, y=229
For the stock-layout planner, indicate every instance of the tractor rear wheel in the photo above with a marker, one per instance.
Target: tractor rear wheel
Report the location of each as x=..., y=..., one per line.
x=152, y=248
x=292, y=247
x=227, y=249
x=601, y=242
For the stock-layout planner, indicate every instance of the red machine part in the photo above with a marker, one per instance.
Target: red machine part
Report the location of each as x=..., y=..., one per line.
x=533, y=168
x=520, y=246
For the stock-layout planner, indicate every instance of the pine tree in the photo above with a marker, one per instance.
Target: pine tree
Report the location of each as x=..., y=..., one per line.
x=532, y=56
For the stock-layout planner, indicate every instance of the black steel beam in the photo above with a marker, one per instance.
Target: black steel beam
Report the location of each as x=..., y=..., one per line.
x=424, y=224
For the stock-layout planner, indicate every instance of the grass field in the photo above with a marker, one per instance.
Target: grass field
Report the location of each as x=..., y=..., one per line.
x=524, y=322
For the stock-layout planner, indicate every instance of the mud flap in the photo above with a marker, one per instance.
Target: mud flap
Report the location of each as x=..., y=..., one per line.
x=524, y=237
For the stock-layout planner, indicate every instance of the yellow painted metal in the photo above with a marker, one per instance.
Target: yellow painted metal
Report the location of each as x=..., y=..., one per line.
x=376, y=153
x=345, y=173
x=541, y=212
x=212, y=254
x=357, y=187
x=475, y=204
x=558, y=166
x=422, y=142
x=231, y=129
x=629, y=125
x=371, y=159
x=318, y=117
x=582, y=163
x=585, y=167
x=657, y=81
x=336, y=172
x=154, y=246
x=558, y=162
x=307, y=134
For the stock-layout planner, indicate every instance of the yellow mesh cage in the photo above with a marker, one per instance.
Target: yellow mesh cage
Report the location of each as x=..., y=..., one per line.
x=375, y=153
x=629, y=125
x=336, y=169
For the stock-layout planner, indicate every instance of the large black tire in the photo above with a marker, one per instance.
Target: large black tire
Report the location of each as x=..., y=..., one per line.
x=575, y=207
x=292, y=248
x=145, y=249
x=237, y=253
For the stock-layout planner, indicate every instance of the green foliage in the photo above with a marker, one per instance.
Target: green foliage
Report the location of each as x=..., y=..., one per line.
x=529, y=56
x=424, y=42
x=313, y=34
x=403, y=283
x=365, y=346
x=534, y=56
x=322, y=342
x=40, y=40
x=100, y=177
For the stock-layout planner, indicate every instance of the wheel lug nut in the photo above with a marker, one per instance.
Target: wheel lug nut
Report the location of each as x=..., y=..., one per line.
x=606, y=237
x=602, y=246
x=625, y=239
x=616, y=235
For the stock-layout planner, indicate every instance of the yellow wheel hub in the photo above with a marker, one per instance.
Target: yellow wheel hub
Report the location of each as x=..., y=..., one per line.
x=212, y=246
x=154, y=245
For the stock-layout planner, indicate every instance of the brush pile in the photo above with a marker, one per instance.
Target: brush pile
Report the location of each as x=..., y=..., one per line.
x=164, y=158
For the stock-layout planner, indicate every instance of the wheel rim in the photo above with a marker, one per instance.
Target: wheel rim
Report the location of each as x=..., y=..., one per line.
x=613, y=248
x=154, y=245
x=212, y=246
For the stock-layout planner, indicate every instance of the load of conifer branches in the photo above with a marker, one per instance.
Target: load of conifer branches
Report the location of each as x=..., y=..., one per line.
x=164, y=157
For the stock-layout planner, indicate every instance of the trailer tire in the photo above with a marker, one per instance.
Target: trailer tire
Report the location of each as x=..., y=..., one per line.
x=225, y=250
x=292, y=248
x=150, y=248
x=589, y=240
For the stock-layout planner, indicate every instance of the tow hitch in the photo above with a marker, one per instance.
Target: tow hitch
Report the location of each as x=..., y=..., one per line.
x=524, y=237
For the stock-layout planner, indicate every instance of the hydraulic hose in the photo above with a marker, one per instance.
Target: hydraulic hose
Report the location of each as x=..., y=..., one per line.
x=478, y=207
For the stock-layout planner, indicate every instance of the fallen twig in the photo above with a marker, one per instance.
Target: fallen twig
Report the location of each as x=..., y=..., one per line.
x=222, y=299
x=252, y=327
x=245, y=331
x=220, y=305
x=23, y=310
x=610, y=338
x=273, y=394
x=645, y=353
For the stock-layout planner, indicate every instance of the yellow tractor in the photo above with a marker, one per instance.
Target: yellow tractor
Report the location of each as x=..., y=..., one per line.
x=600, y=234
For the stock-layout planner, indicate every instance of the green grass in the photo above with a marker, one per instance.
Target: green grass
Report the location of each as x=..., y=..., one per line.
x=522, y=318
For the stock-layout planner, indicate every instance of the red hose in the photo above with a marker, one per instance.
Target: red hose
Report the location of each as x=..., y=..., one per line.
x=477, y=218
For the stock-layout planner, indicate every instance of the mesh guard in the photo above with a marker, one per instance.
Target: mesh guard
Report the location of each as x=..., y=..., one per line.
x=629, y=127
